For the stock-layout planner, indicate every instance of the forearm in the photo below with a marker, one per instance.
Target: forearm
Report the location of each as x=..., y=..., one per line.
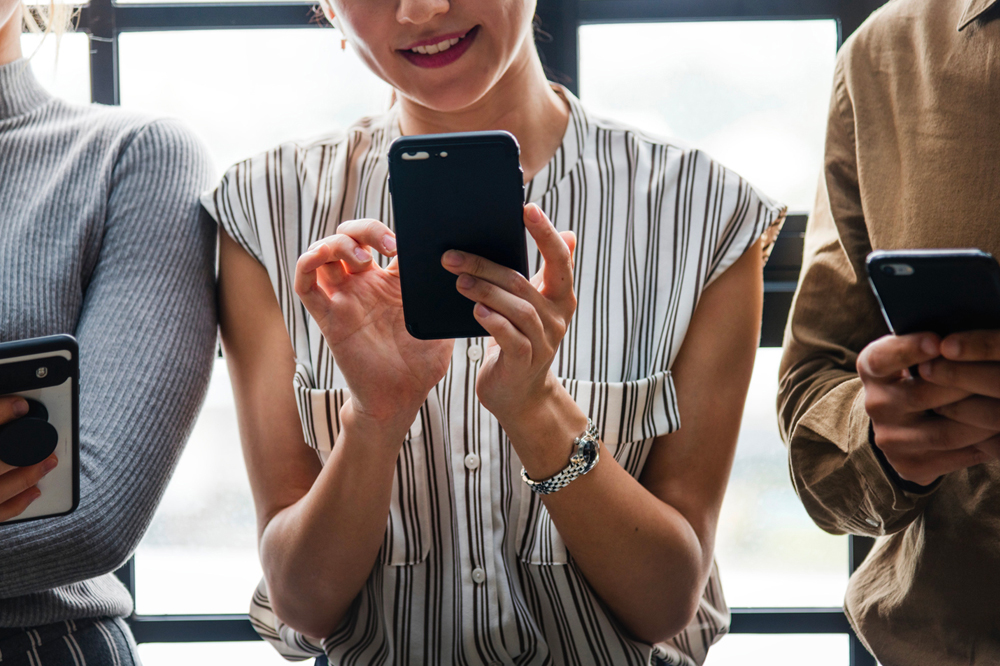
x=318, y=553
x=640, y=555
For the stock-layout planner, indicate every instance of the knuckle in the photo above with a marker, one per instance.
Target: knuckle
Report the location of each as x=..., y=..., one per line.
x=865, y=363
x=519, y=286
x=477, y=264
x=525, y=312
x=877, y=404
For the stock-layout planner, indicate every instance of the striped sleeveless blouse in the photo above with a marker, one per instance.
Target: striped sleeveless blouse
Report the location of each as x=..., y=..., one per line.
x=472, y=569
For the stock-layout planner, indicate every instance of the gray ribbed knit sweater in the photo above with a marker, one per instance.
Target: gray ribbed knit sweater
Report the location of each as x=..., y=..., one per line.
x=101, y=237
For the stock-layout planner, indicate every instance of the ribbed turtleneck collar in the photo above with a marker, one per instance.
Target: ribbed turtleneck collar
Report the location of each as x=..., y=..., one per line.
x=20, y=91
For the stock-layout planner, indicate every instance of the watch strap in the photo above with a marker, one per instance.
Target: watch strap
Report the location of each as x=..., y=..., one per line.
x=579, y=464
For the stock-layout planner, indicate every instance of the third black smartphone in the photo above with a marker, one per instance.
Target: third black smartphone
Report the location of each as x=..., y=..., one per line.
x=940, y=291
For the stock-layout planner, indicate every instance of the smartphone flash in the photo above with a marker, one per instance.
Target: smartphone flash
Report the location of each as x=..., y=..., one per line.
x=443, y=154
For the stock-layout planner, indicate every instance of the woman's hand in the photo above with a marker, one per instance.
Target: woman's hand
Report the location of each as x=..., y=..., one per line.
x=526, y=319
x=18, y=487
x=358, y=307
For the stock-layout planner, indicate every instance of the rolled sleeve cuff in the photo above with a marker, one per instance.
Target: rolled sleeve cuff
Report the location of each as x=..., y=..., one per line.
x=841, y=482
x=889, y=503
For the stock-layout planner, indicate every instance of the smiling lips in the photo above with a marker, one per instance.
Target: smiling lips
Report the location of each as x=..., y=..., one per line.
x=440, y=51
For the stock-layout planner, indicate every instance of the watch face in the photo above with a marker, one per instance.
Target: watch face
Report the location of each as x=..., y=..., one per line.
x=589, y=450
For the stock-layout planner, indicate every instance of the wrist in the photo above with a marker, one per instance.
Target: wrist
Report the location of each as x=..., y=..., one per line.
x=542, y=433
x=389, y=429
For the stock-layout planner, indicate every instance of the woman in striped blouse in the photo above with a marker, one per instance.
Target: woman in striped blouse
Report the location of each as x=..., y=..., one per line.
x=406, y=535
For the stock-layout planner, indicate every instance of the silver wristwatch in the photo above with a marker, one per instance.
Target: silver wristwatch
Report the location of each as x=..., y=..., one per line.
x=586, y=453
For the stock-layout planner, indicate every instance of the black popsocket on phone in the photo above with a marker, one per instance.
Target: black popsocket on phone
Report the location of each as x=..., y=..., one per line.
x=45, y=372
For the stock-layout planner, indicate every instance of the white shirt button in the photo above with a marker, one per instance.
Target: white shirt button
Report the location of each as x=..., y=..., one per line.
x=472, y=461
x=478, y=575
x=475, y=352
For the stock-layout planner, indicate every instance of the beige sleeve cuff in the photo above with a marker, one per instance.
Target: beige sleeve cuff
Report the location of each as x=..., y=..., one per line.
x=837, y=475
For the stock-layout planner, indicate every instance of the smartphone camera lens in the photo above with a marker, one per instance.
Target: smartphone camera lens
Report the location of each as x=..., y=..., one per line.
x=897, y=269
x=42, y=372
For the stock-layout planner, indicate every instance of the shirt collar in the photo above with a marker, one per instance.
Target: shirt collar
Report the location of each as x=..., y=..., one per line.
x=973, y=10
x=20, y=92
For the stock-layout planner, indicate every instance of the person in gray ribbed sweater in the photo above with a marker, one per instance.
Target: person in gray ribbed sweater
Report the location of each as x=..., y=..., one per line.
x=101, y=237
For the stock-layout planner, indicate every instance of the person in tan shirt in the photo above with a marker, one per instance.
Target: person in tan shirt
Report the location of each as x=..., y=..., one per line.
x=912, y=161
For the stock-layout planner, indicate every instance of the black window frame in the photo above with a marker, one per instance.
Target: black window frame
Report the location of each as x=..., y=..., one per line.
x=559, y=20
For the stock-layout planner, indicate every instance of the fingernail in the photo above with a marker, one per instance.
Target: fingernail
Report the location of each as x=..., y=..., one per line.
x=362, y=254
x=20, y=408
x=312, y=248
x=453, y=258
x=35, y=494
x=466, y=281
x=534, y=213
x=483, y=311
x=389, y=243
x=928, y=346
x=49, y=465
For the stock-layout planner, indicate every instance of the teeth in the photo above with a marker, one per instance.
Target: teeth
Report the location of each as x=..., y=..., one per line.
x=437, y=48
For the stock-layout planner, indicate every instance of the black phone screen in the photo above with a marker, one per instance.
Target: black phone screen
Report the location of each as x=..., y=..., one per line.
x=463, y=192
x=938, y=291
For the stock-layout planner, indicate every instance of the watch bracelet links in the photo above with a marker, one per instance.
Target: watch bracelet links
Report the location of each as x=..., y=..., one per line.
x=572, y=471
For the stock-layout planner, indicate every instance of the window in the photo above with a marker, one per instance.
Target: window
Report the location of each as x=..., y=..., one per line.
x=749, y=84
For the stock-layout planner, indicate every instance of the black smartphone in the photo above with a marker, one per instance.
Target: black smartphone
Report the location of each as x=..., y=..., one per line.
x=46, y=372
x=461, y=191
x=940, y=291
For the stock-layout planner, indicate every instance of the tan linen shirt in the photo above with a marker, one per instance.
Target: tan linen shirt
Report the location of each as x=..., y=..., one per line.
x=912, y=161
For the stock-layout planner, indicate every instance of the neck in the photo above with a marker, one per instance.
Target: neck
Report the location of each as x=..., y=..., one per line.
x=10, y=38
x=521, y=102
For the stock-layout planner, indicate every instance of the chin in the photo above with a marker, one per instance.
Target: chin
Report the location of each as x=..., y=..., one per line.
x=446, y=96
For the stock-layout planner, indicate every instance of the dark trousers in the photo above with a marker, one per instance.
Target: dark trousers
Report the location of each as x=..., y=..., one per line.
x=89, y=642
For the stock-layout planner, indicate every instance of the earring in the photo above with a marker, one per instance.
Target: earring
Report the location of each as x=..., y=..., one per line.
x=340, y=29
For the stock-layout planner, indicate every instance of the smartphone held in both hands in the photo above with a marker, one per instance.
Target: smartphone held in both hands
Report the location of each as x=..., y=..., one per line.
x=462, y=191
x=45, y=372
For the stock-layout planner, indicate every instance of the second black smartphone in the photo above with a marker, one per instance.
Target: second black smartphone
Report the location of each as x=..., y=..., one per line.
x=939, y=291
x=462, y=191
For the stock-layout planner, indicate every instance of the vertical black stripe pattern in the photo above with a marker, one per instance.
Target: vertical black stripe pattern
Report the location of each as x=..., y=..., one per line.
x=472, y=568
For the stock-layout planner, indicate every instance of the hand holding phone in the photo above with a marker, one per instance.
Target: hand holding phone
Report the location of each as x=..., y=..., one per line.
x=19, y=485
x=526, y=319
x=39, y=431
x=927, y=391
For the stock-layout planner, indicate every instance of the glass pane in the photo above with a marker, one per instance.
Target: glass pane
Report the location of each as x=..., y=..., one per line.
x=769, y=551
x=66, y=76
x=754, y=94
x=779, y=650
x=200, y=553
x=254, y=653
x=245, y=91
